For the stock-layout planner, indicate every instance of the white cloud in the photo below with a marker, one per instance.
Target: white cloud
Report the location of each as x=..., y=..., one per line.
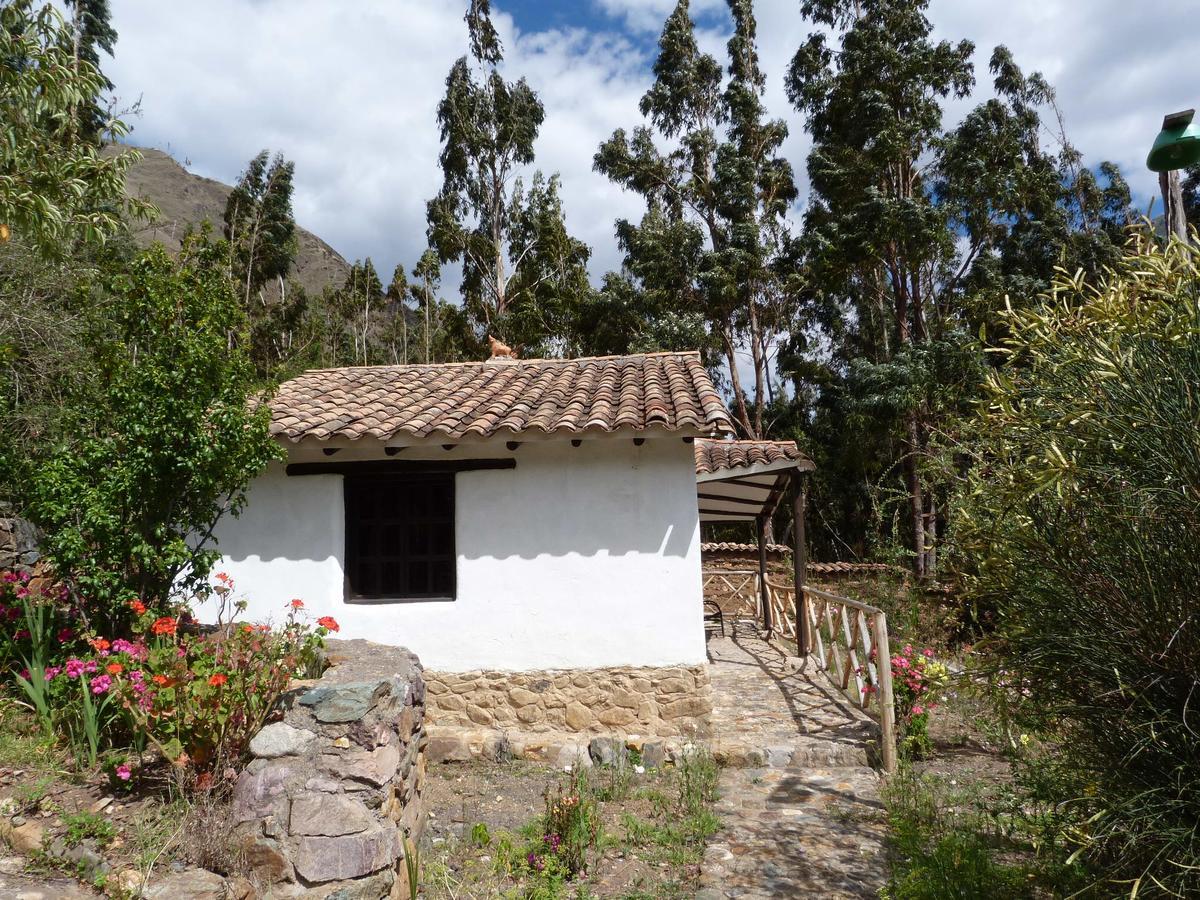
x=349, y=91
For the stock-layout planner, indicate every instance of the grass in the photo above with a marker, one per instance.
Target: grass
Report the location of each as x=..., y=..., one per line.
x=658, y=821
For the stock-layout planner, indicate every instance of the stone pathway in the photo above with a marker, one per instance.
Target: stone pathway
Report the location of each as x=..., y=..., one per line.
x=764, y=715
x=797, y=833
x=800, y=809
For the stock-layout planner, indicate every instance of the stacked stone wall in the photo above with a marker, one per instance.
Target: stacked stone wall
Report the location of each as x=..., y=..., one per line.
x=651, y=702
x=332, y=801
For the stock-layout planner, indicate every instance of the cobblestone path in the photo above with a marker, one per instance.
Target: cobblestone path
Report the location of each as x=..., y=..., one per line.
x=765, y=716
x=800, y=808
x=796, y=833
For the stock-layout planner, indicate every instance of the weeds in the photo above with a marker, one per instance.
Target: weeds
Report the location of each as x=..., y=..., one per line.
x=88, y=826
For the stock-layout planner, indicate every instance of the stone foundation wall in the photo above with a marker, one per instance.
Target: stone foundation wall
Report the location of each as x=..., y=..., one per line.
x=18, y=543
x=651, y=702
x=332, y=801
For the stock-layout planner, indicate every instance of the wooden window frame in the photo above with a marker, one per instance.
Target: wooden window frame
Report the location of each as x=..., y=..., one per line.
x=400, y=591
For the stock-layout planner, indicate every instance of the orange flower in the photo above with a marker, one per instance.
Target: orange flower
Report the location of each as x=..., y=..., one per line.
x=99, y=644
x=164, y=625
x=328, y=622
x=137, y=606
x=297, y=604
x=161, y=680
x=218, y=680
x=114, y=668
x=248, y=629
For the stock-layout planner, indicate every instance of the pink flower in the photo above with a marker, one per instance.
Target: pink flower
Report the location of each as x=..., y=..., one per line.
x=74, y=667
x=101, y=684
x=123, y=772
x=51, y=671
x=928, y=653
x=918, y=710
x=65, y=634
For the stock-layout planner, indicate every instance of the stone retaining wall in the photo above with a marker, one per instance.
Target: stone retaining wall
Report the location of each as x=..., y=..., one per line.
x=651, y=702
x=18, y=543
x=332, y=800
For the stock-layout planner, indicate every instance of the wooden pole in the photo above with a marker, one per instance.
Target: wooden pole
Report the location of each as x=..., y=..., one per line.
x=763, y=591
x=1174, y=220
x=887, y=703
x=800, y=562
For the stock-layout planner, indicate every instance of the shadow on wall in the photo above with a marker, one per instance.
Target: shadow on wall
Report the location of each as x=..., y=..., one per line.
x=539, y=509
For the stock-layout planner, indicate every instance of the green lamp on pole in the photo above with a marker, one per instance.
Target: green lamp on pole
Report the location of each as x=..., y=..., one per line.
x=1176, y=147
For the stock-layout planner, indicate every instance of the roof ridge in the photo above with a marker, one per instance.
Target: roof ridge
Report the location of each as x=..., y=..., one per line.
x=484, y=362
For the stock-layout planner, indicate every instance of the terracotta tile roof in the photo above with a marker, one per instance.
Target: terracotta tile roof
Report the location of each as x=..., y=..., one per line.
x=715, y=455
x=662, y=391
x=733, y=547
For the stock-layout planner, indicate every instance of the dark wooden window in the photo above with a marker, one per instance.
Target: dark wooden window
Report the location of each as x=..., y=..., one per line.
x=400, y=537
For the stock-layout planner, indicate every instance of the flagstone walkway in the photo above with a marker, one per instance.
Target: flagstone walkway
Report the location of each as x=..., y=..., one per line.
x=765, y=716
x=800, y=808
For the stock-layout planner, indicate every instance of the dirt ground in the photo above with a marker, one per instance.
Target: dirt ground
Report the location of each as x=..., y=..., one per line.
x=507, y=798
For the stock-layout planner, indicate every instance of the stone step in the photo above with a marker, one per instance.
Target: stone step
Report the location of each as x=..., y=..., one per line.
x=801, y=752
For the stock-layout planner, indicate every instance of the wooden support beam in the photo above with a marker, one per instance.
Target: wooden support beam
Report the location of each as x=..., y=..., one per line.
x=736, y=501
x=764, y=592
x=800, y=561
x=397, y=466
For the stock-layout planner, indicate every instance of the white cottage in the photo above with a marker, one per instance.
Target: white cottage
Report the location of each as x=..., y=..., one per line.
x=506, y=515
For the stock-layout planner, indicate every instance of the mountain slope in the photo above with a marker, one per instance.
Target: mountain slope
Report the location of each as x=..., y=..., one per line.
x=185, y=199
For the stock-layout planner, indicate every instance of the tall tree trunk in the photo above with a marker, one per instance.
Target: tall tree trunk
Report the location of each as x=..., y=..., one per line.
x=916, y=502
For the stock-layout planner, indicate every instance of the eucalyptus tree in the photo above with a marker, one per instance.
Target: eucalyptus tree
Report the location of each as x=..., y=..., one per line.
x=91, y=33
x=261, y=246
x=522, y=272
x=915, y=235
x=708, y=164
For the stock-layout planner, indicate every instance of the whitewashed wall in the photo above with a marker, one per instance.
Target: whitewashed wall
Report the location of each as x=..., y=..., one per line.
x=580, y=557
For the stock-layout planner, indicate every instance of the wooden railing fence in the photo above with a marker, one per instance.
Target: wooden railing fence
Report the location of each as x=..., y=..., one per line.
x=849, y=640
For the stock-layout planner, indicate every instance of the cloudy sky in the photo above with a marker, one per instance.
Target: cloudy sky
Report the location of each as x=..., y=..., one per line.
x=348, y=90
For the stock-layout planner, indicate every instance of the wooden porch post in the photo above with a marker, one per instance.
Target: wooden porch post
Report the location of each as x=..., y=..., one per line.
x=800, y=561
x=763, y=591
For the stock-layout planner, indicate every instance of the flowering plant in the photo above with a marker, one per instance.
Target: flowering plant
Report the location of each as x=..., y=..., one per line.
x=918, y=681
x=199, y=698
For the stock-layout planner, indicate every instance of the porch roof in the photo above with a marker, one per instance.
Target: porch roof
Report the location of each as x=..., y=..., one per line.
x=738, y=481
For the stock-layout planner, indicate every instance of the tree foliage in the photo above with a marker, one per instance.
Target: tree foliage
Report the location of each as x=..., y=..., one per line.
x=1081, y=520
x=56, y=190
x=165, y=443
x=522, y=272
x=913, y=238
x=714, y=242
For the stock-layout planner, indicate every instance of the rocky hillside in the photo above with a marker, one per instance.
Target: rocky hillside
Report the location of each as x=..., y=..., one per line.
x=185, y=199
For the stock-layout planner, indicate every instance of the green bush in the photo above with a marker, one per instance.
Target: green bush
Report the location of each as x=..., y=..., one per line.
x=164, y=444
x=1083, y=524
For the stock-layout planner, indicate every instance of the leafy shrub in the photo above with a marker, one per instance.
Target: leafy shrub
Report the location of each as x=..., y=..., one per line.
x=166, y=439
x=1083, y=528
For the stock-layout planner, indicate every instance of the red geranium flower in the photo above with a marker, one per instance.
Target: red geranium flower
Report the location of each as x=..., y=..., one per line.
x=164, y=625
x=114, y=668
x=161, y=680
x=328, y=622
x=297, y=604
x=99, y=644
x=218, y=680
x=137, y=606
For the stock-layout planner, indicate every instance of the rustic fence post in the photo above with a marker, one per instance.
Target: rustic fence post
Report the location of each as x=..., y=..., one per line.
x=887, y=706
